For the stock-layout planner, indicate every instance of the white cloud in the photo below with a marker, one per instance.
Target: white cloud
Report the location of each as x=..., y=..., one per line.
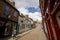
x=22, y=4
x=26, y=3
x=34, y=16
x=23, y=11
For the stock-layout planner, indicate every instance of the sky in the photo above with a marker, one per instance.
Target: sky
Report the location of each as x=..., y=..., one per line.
x=29, y=7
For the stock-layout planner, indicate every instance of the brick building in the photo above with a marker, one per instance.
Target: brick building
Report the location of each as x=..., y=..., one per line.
x=50, y=10
x=8, y=17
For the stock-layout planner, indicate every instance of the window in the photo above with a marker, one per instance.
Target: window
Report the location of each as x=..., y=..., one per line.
x=15, y=14
x=7, y=10
x=21, y=21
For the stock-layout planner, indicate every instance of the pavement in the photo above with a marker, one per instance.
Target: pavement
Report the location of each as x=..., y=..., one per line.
x=34, y=34
x=17, y=36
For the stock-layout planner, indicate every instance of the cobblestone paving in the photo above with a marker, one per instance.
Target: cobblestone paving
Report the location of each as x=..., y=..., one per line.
x=35, y=34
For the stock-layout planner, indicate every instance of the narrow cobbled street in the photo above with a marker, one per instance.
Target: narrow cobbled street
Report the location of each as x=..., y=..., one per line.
x=35, y=34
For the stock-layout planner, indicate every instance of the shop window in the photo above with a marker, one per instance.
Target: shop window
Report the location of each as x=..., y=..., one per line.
x=23, y=26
